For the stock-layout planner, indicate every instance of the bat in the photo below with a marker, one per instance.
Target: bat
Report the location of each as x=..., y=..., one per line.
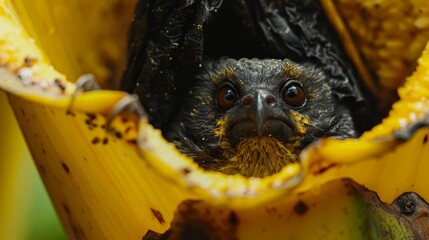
x=184, y=57
x=252, y=117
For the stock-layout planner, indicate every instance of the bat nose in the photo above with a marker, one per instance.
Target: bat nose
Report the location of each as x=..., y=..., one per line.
x=260, y=115
x=260, y=102
x=261, y=97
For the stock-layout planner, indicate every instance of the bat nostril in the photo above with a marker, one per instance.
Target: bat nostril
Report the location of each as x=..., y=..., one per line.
x=247, y=100
x=270, y=99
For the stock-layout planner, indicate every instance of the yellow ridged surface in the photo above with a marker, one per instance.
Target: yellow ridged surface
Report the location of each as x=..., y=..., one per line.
x=104, y=186
x=102, y=189
x=67, y=31
x=13, y=175
x=390, y=35
x=389, y=171
x=414, y=101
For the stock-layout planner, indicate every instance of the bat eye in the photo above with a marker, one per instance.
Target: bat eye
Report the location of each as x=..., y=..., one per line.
x=293, y=94
x=226, y=96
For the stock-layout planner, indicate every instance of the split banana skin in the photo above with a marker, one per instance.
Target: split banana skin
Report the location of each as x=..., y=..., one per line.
x=126, y=182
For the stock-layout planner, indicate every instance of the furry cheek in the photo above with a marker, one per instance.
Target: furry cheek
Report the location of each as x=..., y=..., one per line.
x=219, y=130
x=301, y=122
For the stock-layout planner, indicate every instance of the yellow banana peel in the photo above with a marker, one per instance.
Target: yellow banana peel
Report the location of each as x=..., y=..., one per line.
x=12, y=175
x=390, y=36
x=126, y=182
x=68, y=31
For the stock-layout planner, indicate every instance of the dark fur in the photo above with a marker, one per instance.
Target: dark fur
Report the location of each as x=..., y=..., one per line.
x=194, y=133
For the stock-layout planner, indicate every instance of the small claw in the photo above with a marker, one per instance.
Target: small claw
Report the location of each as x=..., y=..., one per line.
x=128, y=104
x=408, y=131
x=87, y=82
x=84, y=83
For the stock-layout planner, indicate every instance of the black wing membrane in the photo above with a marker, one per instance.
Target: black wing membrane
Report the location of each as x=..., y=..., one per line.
x=169, y=39
x=165, y=47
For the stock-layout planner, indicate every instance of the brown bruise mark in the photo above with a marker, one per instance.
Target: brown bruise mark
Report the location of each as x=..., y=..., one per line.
x=65, y=167
x=91, y=116
x=158, y=215
x=271, y=210
x=78, y=232
x=90, y=121
x=66, y=209
x=23, y=112
x=124, y=119
x=105, y=141
x=349, y=187
x=41, y=168
x=118, y=134
x=95, y=140
x=29, y=61
x=194, y=220
x=52, y=111
x=186, y=171
x=90, y=226
x=300, y=208
x=60, y=85
x=425, y=139
x=69, y=112
x=151, y=235
x=132, y=141
x=321, y=167
x=233, y=218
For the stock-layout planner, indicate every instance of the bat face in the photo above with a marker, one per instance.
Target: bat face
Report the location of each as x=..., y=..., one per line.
x=253, y=117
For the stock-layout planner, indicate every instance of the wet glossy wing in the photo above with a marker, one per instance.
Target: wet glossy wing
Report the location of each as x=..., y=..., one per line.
x=165, y=46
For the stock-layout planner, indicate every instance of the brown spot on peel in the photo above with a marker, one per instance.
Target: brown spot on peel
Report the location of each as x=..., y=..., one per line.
x=95, y=140
x=300, y=207
x=151, y=235
x=65, y=167
x=70, y=112
x=158, y=216
x=195, y=220
x=66, y=208
x=118, y=135
x=186, y=171
x=322, y=168
x=233, y=218
x=59, y=84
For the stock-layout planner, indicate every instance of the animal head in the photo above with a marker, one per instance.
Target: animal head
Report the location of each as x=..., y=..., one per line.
x=252, y=116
